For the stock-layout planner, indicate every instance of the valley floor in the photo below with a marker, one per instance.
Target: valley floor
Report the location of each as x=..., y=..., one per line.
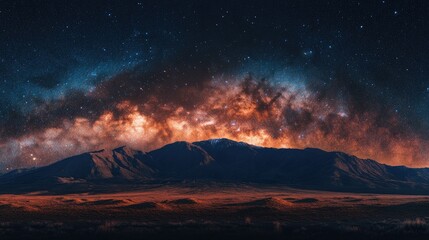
x=214, y=212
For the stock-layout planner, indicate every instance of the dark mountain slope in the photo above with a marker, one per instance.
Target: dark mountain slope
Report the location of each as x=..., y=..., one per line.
x=224, y=160
x=180, y=160
x=120, y=163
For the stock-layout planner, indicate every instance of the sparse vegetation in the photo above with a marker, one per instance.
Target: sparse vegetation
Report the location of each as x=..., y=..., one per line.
x=215, y=212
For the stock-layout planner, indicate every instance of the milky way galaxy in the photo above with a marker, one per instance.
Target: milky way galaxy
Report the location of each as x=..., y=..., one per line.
x=260, y=74
x=248, y=109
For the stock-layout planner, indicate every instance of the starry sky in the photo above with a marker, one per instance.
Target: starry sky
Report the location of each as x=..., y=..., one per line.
x=347, y=76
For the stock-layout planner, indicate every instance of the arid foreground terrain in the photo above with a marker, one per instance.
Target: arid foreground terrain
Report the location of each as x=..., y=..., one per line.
x=188, y=211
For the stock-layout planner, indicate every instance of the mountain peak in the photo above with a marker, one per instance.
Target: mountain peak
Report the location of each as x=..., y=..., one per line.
x=188, y=145
x=123, y=150
x=314, y=150
x=120, y=148
x=97, y=151
x=221, y=142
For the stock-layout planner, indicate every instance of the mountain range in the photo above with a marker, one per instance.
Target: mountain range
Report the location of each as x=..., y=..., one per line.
x=226, y=161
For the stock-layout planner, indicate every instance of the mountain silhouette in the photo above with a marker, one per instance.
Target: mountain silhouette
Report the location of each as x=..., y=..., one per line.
x=224, y=160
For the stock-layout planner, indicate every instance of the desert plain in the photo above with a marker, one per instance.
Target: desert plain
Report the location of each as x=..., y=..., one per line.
x=212, y=211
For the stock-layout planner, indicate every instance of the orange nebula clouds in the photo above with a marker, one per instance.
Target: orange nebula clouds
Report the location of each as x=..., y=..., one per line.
x=246, y=110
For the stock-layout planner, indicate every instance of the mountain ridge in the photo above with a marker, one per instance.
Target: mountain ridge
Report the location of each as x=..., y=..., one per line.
x=226, y=160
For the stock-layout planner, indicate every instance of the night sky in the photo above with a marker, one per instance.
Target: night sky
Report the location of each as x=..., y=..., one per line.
x=347, y=76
